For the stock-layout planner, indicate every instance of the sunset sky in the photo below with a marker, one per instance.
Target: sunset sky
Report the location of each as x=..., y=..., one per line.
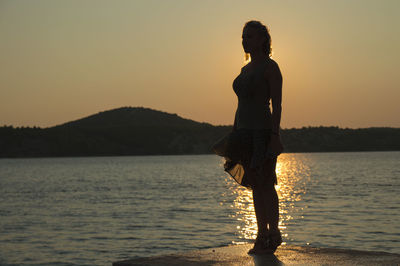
x=64, y=60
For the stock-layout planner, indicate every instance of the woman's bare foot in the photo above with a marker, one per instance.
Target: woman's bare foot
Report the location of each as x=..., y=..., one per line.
x=261, y=246
x=274, y=240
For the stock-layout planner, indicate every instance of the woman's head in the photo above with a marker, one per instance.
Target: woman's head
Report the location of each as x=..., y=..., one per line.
x=256, y=37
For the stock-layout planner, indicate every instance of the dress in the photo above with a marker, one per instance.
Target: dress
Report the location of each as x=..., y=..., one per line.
x=247, y=158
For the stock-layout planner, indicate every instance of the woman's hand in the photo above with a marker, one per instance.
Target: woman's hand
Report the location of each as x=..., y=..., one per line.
x=275, y=144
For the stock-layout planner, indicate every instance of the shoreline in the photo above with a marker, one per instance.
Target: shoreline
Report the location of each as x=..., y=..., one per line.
x=173, y=154
x=286, y=254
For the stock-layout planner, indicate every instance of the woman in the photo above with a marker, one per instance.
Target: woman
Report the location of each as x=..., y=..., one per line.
x=251, y=149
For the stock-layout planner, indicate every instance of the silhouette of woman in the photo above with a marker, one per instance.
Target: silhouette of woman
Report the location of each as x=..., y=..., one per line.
x=251, y=149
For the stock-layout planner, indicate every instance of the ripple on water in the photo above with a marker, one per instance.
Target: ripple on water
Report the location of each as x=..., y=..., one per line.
x=92, y=211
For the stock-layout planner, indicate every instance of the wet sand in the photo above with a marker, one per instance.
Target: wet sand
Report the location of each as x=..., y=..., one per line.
x=285, y=255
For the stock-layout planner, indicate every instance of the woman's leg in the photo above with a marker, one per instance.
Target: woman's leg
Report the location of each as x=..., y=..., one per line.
x=272, y=204
x=272, y=209
x=266, y=206
x=261, y=246
x=261, y=211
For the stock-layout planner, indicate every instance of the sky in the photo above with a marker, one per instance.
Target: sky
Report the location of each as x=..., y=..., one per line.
x=65, y=60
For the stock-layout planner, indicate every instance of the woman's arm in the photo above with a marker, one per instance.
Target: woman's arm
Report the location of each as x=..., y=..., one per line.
x=274, y=78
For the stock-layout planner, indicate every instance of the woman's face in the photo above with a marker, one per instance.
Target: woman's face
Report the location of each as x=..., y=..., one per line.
x=251, y=40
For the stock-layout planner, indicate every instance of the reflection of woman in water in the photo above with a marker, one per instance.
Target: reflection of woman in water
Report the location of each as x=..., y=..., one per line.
x=252, y=148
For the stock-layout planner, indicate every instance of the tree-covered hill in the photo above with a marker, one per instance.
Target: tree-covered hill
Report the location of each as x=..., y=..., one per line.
x=122, y=131
x=144, y=131
x=130, y=116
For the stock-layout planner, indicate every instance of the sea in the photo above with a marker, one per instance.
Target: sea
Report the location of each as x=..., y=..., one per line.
x=98, y=210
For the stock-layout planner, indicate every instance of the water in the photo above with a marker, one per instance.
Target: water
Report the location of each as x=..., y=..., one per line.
x=96, y=210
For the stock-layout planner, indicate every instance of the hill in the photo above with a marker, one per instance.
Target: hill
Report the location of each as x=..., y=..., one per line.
x=131, y=116
x=122, y=131
x=144, y=131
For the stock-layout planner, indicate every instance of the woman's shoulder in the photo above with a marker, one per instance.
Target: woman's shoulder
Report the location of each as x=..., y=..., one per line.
x=271, y=63
x=271, y=68
x=250, y=66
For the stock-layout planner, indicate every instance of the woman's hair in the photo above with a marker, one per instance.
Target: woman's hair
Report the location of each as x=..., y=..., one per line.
x=264, y=32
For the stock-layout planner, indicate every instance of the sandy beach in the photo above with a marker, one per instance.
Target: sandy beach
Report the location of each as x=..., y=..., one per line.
x=285, y=255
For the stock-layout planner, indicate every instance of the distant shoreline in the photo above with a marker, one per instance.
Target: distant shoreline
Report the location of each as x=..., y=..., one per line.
x=150, y=155
x=130, y=131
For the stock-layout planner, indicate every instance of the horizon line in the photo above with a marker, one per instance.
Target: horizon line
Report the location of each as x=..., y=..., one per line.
x=216, y=125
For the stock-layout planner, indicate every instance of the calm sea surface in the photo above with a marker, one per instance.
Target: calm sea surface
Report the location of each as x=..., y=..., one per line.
x=96, y=210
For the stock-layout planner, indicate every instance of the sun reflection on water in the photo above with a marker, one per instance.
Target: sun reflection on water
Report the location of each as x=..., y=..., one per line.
x=292, y=175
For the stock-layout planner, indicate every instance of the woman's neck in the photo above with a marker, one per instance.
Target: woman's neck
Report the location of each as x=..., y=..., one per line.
x=258, y=57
